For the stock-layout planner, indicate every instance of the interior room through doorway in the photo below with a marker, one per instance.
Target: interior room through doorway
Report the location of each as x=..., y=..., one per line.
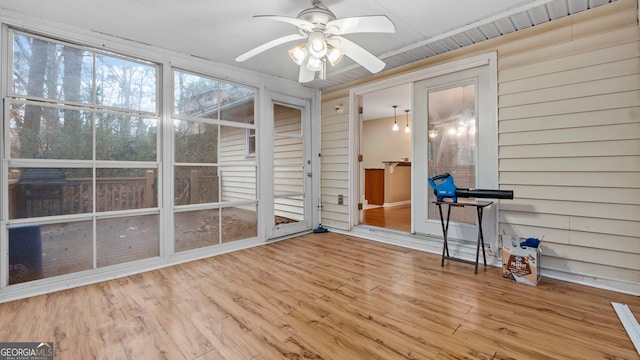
x=386, y=158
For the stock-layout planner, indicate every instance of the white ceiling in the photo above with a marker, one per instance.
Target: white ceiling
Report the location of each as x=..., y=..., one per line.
x=221, y=30
x=379, y=104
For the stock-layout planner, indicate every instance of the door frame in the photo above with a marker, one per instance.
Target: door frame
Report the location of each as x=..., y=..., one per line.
x=266, y=147
x=355, y=178
x=486, y=171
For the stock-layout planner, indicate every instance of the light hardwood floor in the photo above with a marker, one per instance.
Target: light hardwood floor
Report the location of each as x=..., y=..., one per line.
x=395, y=217
x=323, y=296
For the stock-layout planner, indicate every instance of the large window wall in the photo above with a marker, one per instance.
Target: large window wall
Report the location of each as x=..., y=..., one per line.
x=90, y=183
x=215, y=180
x=81, y=150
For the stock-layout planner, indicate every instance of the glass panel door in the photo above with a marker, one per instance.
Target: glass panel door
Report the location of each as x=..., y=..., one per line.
x=455, y=133
x=451, y=139
x=291, y=169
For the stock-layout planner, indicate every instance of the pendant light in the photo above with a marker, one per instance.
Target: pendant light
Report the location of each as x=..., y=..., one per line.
x=406, y=129
x=395, y=119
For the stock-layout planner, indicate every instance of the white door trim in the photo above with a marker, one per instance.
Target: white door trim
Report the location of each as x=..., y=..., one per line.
x=489, y=59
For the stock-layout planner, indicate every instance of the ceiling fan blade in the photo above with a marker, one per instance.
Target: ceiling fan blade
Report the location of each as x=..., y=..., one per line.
x=266, y=46
x=302, y=24
x=360, y=24
x=357, y=53
x=306, y=75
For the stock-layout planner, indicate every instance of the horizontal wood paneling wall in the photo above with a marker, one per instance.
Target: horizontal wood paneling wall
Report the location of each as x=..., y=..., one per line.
x=569, y=136
x=238, y=172
x=334, y=168
x=569, y=142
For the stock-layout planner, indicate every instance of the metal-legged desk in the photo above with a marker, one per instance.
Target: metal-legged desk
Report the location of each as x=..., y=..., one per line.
x=479, y=205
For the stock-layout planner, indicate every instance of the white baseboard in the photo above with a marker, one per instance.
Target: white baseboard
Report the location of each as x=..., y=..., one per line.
x=624, y=287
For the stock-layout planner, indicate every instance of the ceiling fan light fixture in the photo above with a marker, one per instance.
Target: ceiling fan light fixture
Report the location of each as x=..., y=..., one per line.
x=323, y=43
x=317, y=45
x=299, y=53
x=314, y=63
x=334, y=55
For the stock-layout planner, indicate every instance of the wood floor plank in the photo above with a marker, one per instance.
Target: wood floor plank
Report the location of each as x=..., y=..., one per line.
x=398, y=339
x=323, y=296
x=141, y=337
x=179, y=322
x=395, y=217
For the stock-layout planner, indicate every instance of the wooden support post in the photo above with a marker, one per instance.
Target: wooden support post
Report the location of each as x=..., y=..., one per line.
x=149, y=193
x=194, y=187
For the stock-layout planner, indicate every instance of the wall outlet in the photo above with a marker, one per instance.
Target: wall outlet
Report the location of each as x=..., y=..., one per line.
x=340, y=199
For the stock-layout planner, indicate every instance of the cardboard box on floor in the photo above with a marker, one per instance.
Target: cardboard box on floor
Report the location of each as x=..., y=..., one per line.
x=521, y=264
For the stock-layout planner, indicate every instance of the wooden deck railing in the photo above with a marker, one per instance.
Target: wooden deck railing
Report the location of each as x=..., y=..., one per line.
x=118, y=193
x=196, y=189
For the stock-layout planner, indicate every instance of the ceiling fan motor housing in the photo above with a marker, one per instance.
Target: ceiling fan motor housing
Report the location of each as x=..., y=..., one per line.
x=319, y=16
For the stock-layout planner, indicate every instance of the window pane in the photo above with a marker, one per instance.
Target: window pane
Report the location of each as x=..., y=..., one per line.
x=124, y=189
x=125, y=239
x=125, y=138
x=288, y=209
x=40, y=132
x=195, y=95
x=239, y=222
x=207, y=98
x=125, y=84
x=196, y=229
x=452, y=144
x=52, y=71
x=288, y=151
x=35, y=192
x=287, y=120
x=238, y=183
x=236, y=103
x=233, y=146
x=288, y=180
x=195, y=142
x=42, y=251
x=196, y=185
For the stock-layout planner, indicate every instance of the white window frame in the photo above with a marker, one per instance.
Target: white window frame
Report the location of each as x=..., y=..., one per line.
x=265, y=86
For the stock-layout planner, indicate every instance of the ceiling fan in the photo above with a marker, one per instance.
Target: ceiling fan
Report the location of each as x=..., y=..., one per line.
x=323, y=41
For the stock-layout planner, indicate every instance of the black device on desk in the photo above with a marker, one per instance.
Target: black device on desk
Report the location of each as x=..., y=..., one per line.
x=444, y=188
